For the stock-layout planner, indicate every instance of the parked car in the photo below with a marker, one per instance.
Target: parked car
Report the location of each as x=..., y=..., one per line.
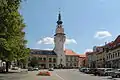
x=116, y=73
x=15, y=68
x=2, y=69
x=95, y=71
x=92, y=71
x=104, y=71
x=35, y=69
x=82, y=69
x=51, y=69
x=87, y=70
x=30, y=69
x=108, y=71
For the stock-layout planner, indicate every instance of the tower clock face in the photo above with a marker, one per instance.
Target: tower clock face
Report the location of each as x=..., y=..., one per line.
x=59, y=29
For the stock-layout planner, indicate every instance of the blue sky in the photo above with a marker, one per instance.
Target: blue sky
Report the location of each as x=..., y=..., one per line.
x=87, y=23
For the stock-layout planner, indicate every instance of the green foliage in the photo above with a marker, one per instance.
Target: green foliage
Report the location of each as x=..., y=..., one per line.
x=12, y=42
x=33, y=62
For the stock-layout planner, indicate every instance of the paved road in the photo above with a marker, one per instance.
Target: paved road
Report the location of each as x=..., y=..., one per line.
x=56, y=75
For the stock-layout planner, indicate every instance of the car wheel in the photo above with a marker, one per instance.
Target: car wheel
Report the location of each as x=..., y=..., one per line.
x=106, y=74
x=117, y=76
x=112, y=76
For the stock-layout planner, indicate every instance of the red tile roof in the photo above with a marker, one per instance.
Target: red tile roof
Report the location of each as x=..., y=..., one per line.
x=117, y=40
x=69, y=52
x=88, y=53
x=111, y=43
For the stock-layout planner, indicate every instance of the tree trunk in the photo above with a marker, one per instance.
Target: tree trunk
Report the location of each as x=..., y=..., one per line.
x=7, y=66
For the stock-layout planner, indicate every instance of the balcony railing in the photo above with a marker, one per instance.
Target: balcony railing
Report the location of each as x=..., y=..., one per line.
x=46, y=61
x=42, y=60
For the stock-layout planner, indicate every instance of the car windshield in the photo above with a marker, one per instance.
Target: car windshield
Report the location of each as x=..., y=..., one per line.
x=108, y=69
x=118, y=70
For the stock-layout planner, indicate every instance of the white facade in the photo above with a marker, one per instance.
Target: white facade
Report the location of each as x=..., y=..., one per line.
x=59, y=41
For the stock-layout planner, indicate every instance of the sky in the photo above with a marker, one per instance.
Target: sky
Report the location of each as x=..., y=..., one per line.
x=87, y=23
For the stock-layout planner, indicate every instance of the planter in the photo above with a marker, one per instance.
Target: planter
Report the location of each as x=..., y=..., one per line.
x=44, y=73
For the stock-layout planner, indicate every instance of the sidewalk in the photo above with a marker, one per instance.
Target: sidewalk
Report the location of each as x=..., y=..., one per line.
x=18, y=71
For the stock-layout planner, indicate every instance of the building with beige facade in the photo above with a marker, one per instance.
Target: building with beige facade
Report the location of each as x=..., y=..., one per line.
x=58, y=57
x=72, y=59
x=105, y=56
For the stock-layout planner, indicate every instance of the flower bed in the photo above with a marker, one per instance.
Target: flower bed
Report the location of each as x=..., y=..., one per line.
x=44, y=73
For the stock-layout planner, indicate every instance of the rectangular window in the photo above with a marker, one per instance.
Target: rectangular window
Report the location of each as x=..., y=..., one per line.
x=66, y=64
x=54, y=65
x=70, y=58
x=107, y=57
x=50, y=65
x=50, y=60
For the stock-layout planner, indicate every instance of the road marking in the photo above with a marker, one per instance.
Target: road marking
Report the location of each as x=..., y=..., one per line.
x=59, y=77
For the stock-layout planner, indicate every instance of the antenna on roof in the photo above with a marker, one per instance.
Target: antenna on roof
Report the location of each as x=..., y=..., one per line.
x=105, y=43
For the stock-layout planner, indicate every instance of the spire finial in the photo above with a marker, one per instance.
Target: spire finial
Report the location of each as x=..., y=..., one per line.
x=59, y=18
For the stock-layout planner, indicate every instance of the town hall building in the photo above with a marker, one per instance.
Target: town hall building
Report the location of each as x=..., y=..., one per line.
x=58, y=57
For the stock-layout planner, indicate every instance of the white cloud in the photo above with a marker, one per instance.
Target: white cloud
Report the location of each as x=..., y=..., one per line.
x=35, y=48
x=47, y=49
x=46, y=40
x=102, y=34
x=89, y=50
x=69, y=41
x=50, y=40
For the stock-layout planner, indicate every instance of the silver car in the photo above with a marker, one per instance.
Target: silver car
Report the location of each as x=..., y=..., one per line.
x=116, y=73
x=51, y=69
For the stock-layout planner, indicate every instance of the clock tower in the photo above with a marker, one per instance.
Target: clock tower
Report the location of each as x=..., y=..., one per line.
x=59, y=40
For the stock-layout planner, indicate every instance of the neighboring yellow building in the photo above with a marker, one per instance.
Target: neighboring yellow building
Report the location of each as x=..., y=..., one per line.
x=113, y=53
x=99, y=60
x=96, y=58
x=82, y=60
x=105, y=56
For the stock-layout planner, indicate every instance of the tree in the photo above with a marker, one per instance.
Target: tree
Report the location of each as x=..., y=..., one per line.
x=34, y=62
x=12, y=42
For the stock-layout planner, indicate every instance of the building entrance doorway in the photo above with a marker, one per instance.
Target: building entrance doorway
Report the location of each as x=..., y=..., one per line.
x=43, y=66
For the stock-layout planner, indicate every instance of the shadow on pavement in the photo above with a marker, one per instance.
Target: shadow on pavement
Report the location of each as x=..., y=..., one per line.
x=2, y=77
x=110, y=78
x=10, y=77
x=8, y=72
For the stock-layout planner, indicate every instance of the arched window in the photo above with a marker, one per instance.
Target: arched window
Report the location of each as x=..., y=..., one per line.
x=44, y=59
x=118, y=53
x=54, y=59
x=113, y=55
x=110, y=56
x=39, y=58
